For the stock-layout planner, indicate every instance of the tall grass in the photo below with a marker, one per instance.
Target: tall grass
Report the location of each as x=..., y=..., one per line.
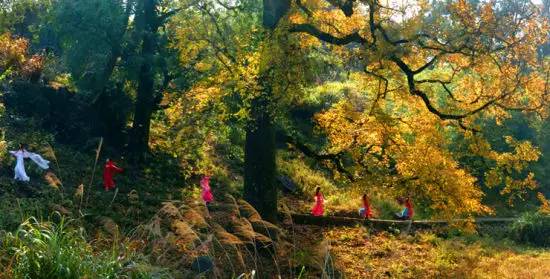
x=306, y=178
x=43, y=250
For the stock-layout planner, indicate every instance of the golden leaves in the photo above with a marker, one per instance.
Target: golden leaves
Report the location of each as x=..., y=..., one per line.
x=202, y=95
x=545, y=204
x=509, y=166
x=12, y=51
x=413, y=138
x=450, y=189
x=14, y=58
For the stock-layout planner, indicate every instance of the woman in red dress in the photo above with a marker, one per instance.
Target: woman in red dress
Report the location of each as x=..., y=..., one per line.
x=365, y=211
x=318, y=209
x=206, y=194
x=409, y=206
x=408, y=211
x=109, y=171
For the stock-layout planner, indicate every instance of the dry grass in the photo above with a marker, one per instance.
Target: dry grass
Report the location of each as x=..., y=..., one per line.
x=359, y=254
x=508, y=264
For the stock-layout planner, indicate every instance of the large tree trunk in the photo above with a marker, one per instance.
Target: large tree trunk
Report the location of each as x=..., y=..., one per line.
x=259, y=160
x=260, y=169
x=139, y=140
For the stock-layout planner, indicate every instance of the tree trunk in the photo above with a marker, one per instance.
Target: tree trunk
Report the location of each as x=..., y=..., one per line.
x=259, y=157
x=111, y=129
x=260, y=168
x=139, y=141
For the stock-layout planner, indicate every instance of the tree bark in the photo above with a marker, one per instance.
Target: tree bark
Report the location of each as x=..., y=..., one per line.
x=260, y=168
x=139, y=141
x=259, y=181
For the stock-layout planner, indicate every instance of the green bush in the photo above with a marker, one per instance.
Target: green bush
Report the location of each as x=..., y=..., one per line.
x=47, y=250
x=306, y=178
x=533, y=229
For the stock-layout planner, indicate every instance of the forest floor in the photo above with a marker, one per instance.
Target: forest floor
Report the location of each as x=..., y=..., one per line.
x=354, y=252
x=358, y=253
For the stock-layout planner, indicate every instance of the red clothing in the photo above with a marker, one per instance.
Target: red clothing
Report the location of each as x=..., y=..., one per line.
x=108, y=172
x=206, y=194
x=318, y=209
x=368, y=211
x=409, y=206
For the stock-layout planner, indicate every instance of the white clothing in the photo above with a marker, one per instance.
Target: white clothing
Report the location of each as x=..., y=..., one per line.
x=20, y=173
x=38, y=160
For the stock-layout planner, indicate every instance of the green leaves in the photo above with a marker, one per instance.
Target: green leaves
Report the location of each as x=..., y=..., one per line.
x=91, y=32
x=44, y=250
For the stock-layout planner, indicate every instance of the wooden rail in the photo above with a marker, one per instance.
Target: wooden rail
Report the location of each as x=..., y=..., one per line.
x=306, y=219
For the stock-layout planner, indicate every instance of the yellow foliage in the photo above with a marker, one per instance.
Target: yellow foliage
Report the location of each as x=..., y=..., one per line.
x=450, y=189
x=14, y=59
x=545, y=204
x=418, y=83
x=360, y=253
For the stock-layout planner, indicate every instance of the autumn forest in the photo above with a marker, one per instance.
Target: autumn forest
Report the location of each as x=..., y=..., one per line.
x=274, y=139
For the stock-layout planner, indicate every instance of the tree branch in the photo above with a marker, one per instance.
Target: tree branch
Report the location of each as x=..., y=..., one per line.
x=345, y=5
x=466, y=128
x=326, y=37
x=430, y=63
x=444, y=85
x=336, y=159
x=161, y=20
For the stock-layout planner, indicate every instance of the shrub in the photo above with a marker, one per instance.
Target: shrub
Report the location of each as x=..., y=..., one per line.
x=48, y=250
x=533, y=229
x=306, y=178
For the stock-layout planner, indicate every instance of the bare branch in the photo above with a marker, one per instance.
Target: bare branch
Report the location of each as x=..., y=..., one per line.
x=326, y=37
x=161, y=20
x=466, y=128
x=336, y=158
x=345, y=5
x=443, y=84
x=430, y=63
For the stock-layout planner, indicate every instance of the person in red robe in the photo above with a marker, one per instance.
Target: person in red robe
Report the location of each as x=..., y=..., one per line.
x=109, y=171
x=206, y=194
x=365, y=211
x=408, y=211
x=409, y=206
x=318, y=209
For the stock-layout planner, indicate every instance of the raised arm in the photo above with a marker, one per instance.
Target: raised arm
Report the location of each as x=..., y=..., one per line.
x=117, y=169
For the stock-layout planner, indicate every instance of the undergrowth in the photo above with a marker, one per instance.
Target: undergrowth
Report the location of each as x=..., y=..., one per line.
x=532, y=229
x=57, y=250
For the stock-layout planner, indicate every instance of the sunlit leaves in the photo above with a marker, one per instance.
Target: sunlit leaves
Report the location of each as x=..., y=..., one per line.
x=545, y=204
x=15, y=60
x=468, y=61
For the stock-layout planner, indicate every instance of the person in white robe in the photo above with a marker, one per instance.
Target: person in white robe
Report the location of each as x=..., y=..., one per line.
x=20, y=155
